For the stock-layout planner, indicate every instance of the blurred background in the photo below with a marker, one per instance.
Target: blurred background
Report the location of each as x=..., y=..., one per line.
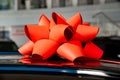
x=14, y=14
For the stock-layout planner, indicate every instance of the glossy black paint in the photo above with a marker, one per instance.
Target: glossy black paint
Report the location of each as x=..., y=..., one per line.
x=94, y=70
x=110, y=46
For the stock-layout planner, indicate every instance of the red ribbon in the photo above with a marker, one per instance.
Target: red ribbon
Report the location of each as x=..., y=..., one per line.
x=62, y=37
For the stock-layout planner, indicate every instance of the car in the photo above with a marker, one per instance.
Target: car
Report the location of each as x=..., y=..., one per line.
x=7, y=46
x=59, y=69
x=56, y=68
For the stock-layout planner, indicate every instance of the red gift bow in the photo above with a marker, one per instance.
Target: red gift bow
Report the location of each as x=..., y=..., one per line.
x=61, y=36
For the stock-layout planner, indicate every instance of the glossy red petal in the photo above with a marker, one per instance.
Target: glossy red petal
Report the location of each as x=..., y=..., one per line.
x=35, y=32
x=92, y=51
x=71, y=50
x=44, y=48
x=75, y=20
x=27, y=48
x=61, y=33
x=44, y=21
x=57, y=19
x=86, y=33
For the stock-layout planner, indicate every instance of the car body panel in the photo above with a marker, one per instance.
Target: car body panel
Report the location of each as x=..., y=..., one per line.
x=88, y=69
x=56, y=68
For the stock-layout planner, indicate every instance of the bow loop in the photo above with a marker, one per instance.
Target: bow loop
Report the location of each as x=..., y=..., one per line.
x=36, y=32
x=86, y=33
x=75, y=20
x=44, y=21
x=61, y=33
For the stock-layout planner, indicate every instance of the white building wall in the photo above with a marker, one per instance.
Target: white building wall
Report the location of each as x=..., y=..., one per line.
x=17, y=19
